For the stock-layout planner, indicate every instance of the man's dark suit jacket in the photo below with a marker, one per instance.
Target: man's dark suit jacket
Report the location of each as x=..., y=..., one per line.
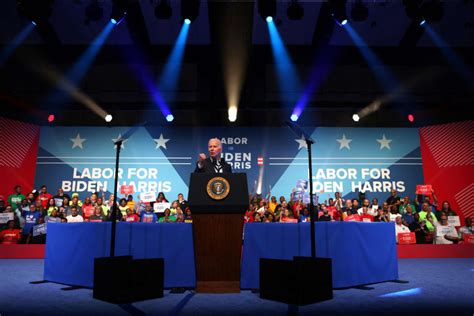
x=208, y=167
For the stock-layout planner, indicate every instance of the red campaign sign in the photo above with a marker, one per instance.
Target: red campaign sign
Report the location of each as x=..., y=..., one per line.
x=126, y=189
x=406, y=238
x=468, y=238
x=424, y=189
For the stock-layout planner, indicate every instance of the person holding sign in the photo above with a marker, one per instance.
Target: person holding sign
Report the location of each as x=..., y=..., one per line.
x=444, y=233
x=214, y=163
x=399, y=227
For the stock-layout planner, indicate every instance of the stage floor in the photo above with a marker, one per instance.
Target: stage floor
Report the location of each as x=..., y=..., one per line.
x=437, y=286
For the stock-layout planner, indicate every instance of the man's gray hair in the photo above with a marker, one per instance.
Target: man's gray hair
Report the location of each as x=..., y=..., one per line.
x=216, y=140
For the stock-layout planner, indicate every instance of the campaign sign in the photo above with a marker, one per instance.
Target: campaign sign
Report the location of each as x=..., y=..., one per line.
x=161, y=207
x=39, y=229
x=5, y=217
x=424, y=189
x=58, y=202
x=406, y=238
x=148, y=196
x=347, y=160
x=443, y=230
x=454, y=221
x=126, y=189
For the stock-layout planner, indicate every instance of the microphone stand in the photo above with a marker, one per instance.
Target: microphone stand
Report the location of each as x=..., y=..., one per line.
x=299, y=132
x=118, y=143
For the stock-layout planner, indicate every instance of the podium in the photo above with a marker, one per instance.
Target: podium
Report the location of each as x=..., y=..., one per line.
x=218, y=229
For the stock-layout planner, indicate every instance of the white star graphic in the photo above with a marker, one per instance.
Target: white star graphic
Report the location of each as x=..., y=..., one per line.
x=301, y=142
x=384, y=142
x=114, y=140
x=344, y=142
x=77, y=142
x=161, y=142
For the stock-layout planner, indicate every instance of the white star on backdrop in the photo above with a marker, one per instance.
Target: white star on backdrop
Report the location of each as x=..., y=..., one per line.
x=344, y=142
x=301, y=143
x=161, y=142
x=118, y=138
x=77, y=142
x=384, y=142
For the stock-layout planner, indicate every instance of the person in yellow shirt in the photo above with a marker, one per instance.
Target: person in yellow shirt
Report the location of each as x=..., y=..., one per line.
x=272, y=204
x=130, y=202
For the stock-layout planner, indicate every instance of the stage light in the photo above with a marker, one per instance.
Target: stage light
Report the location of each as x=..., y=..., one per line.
x=232, y=112
x=187, y=21
x=93, y=12
x=163, y=10
x=356, y=117
x=51, y=118
x=338, y=9
x=267, y=9
x=269, y=19
x=359, y=11
x=295, y=11
x=169, y=117
x=190, y=10
x=34, y=10
x=294, y=117
x=411, y=118
x=119, y=12
x=33, y=22
x=423, y=21
x=108, y=118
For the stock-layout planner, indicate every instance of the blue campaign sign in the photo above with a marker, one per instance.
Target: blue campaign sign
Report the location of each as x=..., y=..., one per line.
x=160, y=159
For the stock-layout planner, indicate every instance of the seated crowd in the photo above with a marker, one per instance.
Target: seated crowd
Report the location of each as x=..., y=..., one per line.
x=421, y=215
x=28, y=213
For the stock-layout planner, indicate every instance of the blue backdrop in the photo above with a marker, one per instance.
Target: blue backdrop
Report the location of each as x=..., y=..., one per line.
x=374, y=160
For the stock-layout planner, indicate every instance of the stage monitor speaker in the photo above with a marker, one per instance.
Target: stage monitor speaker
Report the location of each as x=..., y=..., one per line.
x=123, y=280
x=301, y=281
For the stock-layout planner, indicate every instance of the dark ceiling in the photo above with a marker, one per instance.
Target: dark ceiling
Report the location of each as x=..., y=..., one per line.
x=437, y=93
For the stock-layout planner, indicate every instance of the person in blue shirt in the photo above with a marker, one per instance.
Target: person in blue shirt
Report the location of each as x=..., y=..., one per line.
x=148, y=216
x=31, y=219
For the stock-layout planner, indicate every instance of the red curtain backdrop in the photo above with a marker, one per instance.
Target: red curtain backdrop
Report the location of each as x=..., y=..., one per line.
x=18, y=152
x=448, y=164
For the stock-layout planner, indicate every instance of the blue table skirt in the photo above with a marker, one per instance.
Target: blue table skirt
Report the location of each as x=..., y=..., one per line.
x=72, y=247
x=361, y=253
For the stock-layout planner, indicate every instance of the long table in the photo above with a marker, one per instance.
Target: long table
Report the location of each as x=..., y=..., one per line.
x=362, y=253
x=72, y=247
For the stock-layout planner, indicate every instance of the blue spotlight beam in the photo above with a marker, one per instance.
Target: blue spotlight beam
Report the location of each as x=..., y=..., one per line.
x=77, y=72
x=287, y=76
x=318, y=73
x=19, y=38
x=383, y=74
x=454, y=60
x=169, y=76
x=80, y=68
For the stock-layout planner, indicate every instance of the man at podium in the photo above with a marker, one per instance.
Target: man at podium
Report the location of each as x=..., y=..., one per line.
x=214, y=163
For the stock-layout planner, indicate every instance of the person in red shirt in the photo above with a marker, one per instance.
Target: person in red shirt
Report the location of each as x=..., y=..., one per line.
x=10, y=235
x=366, y=217
x=87, y=209
x=353, y=218
x=44, y=197
x=132, y=217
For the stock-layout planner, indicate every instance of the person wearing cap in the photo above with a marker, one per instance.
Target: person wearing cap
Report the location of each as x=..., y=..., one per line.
x=399, y=227
x=15, y=199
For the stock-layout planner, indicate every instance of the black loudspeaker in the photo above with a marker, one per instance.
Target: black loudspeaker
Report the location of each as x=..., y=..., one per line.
x=123, y=280
x=301, y=281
